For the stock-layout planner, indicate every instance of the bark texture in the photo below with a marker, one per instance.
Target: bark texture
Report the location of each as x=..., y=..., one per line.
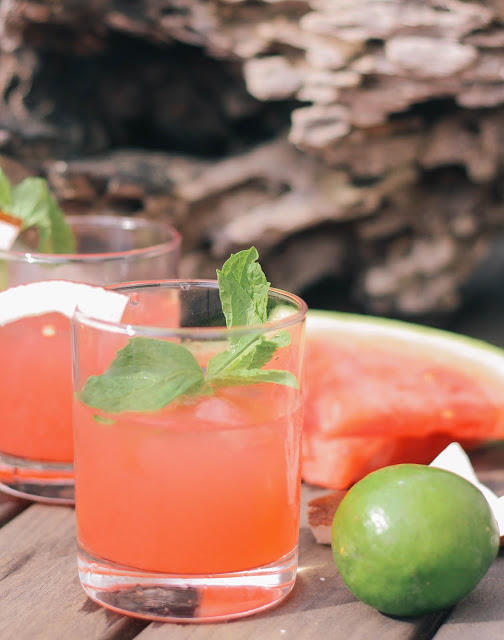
x=356, y=140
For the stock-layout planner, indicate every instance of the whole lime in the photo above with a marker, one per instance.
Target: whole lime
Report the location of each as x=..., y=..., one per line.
x=410, y=539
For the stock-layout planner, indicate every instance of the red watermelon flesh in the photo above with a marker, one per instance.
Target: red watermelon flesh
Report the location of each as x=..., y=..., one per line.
x=373, y=402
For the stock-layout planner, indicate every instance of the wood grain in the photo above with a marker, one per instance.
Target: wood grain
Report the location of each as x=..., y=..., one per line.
x=40, y=594
x=481, y=613
x=10, y=507
x=41, y=599
x=488, y=463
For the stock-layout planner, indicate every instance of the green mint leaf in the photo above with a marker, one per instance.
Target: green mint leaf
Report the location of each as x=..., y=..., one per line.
x=5, y=191
x=32, y=202
x=255, y=376
x=149, y=373
x=281, y=339
x=250, y=352
x=103, y=419
x=239, y=356
x=146, y=375
x=243, y=289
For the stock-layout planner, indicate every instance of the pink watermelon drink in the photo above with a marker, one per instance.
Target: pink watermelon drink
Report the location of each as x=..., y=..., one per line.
x=196, y=486
x=229, y=470
x=36, y=388
x=36, y=440
x=36, y=381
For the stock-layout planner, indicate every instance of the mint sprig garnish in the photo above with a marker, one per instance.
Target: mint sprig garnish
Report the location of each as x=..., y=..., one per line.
x=243, y=289
x=31, y=202
x=5, y=189
x=146, y=375
x=149, y=373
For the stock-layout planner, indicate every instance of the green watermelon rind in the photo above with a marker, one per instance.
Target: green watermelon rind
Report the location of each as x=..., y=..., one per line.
x=470, y=349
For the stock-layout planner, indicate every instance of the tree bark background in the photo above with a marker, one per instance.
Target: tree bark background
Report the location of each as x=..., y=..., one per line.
x=354, y=142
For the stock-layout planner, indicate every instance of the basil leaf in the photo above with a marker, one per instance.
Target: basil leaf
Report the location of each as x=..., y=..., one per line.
x=243, y=289
x=32, y=202
x=146, y=375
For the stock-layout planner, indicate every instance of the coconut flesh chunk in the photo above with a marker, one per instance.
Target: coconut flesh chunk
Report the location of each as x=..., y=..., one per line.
x=8, y=233
x=456, y=460
x=63, y=297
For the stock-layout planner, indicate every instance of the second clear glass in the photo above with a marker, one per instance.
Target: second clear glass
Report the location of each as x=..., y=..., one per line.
x=36, y=441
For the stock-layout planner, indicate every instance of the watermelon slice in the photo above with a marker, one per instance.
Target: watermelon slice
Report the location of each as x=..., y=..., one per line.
x=380, y=392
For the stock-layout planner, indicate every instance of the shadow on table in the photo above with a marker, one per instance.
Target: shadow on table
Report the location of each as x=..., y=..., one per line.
x=484, y=604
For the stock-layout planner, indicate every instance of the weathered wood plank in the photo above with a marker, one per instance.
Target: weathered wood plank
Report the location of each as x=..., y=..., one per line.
x=41, y=599
x=40, y=594
x=481, y=613
x=10, y=507
x=320, y=606
x=488, y=463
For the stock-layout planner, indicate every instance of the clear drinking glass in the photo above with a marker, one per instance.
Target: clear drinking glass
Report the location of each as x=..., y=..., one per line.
x=36, y=438
x=189, y=512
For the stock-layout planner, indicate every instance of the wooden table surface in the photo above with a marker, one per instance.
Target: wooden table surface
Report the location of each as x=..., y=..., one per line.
x=40, y=595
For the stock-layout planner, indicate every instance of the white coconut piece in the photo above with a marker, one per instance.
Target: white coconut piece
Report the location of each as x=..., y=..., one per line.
x=61, y=296
x=456, y=460
x=499, y=515
x=8, y=234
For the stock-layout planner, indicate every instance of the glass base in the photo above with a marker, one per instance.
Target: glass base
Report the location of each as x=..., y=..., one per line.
x=186, y=598
x=50, y=482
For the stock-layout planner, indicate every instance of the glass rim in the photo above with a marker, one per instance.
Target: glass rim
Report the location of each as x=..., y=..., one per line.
x=205, y=333
x=125, y=222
